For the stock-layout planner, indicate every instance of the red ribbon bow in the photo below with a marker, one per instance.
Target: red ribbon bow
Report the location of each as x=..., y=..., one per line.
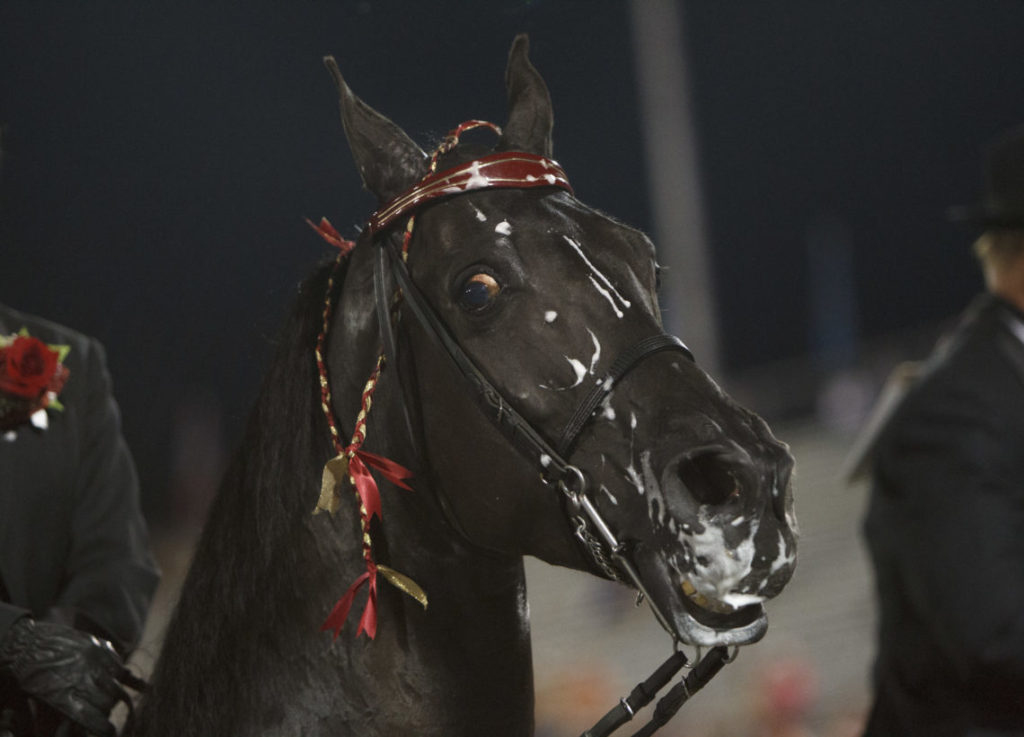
x=369, y=494
x=368, y=622
x=330, y=234
x=366, y=485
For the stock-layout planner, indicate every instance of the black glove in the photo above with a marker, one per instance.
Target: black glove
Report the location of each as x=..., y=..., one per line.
x=71, y=671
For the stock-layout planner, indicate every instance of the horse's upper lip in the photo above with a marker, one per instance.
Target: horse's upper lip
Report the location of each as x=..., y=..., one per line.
x=727, y=605
x=718, y=614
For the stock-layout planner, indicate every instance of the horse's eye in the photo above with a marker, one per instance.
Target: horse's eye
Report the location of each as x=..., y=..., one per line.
x=478, y=291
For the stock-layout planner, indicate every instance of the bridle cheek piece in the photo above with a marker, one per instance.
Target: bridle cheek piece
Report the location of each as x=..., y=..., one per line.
x=518, y=170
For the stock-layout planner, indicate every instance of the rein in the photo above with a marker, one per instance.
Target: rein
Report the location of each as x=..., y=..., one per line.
x=553, y=460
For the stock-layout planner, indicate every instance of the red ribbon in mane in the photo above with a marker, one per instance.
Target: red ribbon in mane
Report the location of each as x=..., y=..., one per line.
x=369, y=494
x=366, y=485
x=368, y=622
x=330, y=234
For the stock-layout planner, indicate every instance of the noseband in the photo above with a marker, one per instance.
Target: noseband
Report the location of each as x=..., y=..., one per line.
x=520, y=170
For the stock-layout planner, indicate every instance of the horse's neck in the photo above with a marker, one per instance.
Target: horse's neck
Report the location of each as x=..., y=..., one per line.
x=463, y=665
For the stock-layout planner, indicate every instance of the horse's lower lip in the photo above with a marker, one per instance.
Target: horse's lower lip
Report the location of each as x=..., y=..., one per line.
x=705, y=628
x=722, y=625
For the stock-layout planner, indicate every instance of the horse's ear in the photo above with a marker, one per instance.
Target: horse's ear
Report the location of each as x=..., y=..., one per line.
x=530, y=118
x=388, y=160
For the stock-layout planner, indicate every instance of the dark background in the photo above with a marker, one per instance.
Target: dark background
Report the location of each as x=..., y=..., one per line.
x=159, y=159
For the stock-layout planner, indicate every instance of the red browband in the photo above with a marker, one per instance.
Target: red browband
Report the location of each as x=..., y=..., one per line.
x=510, y=169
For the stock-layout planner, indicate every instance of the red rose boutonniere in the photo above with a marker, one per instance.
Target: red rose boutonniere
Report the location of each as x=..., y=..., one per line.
x=32, y=374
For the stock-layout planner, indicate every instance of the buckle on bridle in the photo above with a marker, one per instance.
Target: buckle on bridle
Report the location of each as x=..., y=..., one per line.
x=573, y=484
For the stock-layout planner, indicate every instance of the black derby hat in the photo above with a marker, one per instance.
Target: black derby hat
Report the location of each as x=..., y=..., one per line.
x=1003, y=205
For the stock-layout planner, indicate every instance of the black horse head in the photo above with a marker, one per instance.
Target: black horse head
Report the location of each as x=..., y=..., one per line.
x=528, y=383
x=544, y=294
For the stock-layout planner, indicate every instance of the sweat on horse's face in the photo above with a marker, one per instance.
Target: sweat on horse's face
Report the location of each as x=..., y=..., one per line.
x=544, y=293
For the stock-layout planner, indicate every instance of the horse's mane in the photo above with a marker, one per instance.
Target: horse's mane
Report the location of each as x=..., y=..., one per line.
x=256, y=562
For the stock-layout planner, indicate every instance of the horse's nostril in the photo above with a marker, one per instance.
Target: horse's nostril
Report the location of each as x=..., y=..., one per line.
x=709, y=479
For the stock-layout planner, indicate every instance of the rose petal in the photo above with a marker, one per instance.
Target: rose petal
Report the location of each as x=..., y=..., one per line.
x=40, y=420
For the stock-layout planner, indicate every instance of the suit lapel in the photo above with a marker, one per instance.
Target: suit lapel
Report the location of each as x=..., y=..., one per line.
x=1011, y=343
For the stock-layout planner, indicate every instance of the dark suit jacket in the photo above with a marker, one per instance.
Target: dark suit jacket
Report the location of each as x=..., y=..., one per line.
x=73, y=543
x=945, y=528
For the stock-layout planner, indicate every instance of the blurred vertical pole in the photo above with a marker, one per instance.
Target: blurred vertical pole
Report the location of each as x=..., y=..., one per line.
x=832, y=292
x=673, y=178
x=845, y=393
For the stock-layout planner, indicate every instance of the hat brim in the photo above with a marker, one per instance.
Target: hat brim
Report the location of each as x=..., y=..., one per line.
x=989, y=215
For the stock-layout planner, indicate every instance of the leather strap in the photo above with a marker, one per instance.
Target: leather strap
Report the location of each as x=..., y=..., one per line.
x=638, y=698
x=623, y=365
x=510, y=169
x=552, y=460
x=695, y=680
x=510, y=422
x=390, y=346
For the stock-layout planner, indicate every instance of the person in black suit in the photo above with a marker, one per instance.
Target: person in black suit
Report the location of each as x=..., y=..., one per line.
x=945, y=523
x=76, y=573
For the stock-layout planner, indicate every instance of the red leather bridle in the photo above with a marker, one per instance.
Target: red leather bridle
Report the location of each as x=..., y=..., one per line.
x=508, y=169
